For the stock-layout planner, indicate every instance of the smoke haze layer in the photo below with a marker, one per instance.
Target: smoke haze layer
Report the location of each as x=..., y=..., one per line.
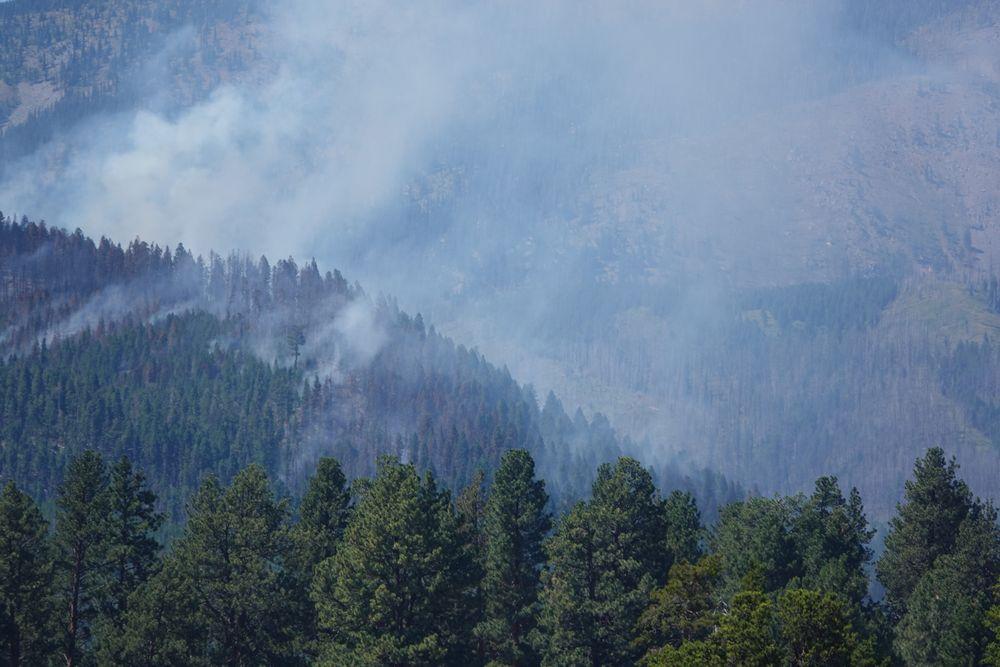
x=577, y=188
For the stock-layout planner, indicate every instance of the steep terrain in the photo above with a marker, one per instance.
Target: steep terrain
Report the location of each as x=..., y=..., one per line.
x=796, y=284
x=190, y=366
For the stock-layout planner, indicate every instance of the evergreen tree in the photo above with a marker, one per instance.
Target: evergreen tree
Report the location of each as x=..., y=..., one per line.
x=604, y=560
x=131, y=552
x=683, y=610
x=689, y=654
x=323, y=516
x=80, y=538
x=470, y=507
x=516, y=523
x=924, y=528
x=231, y=559
x=25, y=581
x=131, y=546
x=571, y=598
x=397, y=590
x=992, y=653
x=164, y=624
x=832, y=537
x=748, y=631
x=755, y=536
x=815, y=629
x=683, y=529
x=946, y=617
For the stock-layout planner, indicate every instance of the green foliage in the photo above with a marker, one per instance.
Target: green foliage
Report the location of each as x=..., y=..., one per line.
x=992, y=622
x=689, y=654
x=947, y=611
x=815, y=628
x=224, y=589
x=748, y=631
x=604, y=560
x=516, y=522
x=407, y=576
x=164, y=624
x=683, y=529
x=323, y=515
x=756, y=536
x=832, y=537
x=25, y=581
x=233, y=551
x=130, y=550
x=80, y=539
x=925, y=527
x=396, y=590
x=819, y=542
x=163, y=394
x=683, y=610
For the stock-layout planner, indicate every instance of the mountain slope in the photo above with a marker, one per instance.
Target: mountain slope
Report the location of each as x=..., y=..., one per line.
x=191, y=367
x=753, y=235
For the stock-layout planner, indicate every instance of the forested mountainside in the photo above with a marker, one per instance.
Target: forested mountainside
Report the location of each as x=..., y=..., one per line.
x=396, y=570
x=779, y=275
x=190, y=367
x=853, y=376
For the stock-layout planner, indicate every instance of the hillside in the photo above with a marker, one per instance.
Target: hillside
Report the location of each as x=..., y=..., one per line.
x=191, y=366
x=768, y=274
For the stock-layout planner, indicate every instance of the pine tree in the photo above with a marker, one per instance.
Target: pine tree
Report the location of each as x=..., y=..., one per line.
x=164, y=624
x=231, y=558
x=689, y=654
x=570, y=598
x=992, y=621
x=80, y=538
x=131, y=528
x=924, y=528
x=683, y=529
x=755, y=536
x=516, y=522
x=815, y=629
x=832, y=536
x=946, y=617
x=470, y=508
x=683, y=610
x=131, y=549
x=397, y=590
x=323, y=516
x=604, y=560
x=748, y=631
x=26, y=611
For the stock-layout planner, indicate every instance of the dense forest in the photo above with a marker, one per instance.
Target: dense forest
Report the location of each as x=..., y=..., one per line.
x=847, y=348
x=755, y=242
x=397, y=570
x=189, y=366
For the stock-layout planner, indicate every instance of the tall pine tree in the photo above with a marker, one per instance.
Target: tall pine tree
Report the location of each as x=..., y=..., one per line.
x=604, y=561
x=25, y=581
x=231, y=559
x=516, y=523
x=131, y=549
x=924, y=528
x=81, y=528
x=398, y=589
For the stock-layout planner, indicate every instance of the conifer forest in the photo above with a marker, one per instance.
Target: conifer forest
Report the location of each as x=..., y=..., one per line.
x=545, y=333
